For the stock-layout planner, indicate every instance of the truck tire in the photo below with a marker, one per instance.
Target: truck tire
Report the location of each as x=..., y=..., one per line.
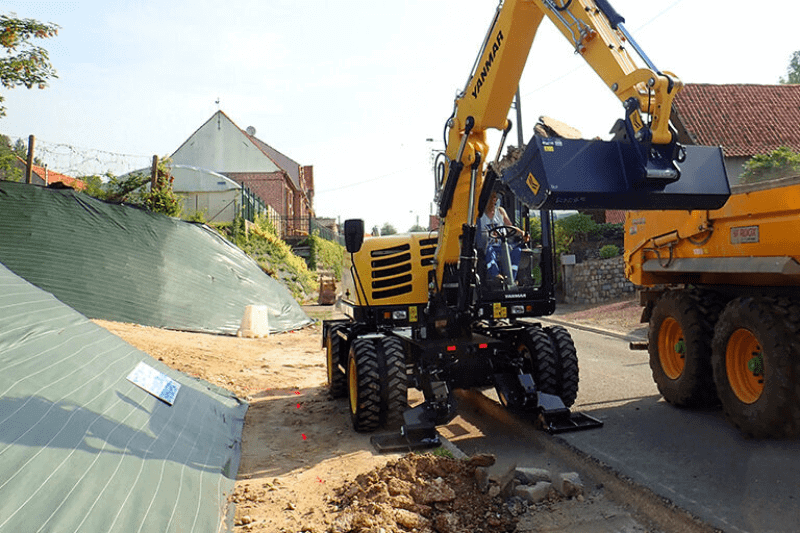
x=364, y=385
x=679, y=343
x=756, y=366
x=540, y=359
x=567, y=363
x=337, y=379
x=394, y=381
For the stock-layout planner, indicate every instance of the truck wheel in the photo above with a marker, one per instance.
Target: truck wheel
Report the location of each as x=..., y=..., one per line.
x=755, y=366
x=364, y=385
x=567, y=363
x=540, y=359
x=337, y=380
x=679, y=343
x=394, y=381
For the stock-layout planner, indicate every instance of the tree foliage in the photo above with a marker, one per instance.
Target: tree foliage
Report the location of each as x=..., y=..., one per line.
x=388, y=229
x=136, y=189
x=793, y=70
x=23, y=63
x=9, y=169
x=781, y=162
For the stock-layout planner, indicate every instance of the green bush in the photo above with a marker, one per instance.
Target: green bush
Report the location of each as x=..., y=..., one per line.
x=273, y=255
x=325, y=254
x=781, y=162
x=608, y=251
x=577, y=224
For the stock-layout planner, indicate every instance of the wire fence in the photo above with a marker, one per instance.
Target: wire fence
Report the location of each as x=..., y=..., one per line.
x=76, y=161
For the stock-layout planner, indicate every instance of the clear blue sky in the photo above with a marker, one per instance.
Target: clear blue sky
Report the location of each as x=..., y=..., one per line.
x=353, y=88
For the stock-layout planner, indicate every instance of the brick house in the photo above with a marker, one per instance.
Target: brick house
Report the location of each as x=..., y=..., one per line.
x=220, y=145
x=744, y=119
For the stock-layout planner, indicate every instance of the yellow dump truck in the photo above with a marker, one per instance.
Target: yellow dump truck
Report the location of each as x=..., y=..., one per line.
x=721, y=293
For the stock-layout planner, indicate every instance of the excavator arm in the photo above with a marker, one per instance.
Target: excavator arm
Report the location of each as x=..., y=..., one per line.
x=643, y=167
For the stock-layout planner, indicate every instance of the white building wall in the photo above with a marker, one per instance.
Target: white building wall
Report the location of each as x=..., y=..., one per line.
x=221, y=146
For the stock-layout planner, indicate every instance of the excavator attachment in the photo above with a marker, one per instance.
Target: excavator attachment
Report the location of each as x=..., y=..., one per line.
x=556, y=173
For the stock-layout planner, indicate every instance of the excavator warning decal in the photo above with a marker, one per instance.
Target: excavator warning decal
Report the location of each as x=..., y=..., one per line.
x=533, y=185
x=499, y=311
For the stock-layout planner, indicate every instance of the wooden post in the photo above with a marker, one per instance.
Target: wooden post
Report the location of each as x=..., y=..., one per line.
x=29, y=165
x=154, y=173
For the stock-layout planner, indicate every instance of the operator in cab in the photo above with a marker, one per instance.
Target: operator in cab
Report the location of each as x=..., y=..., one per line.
x=489, y=244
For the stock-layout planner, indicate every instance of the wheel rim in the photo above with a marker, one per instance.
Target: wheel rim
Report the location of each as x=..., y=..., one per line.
x=744, y=366
x=352, y=380
x=671, y=348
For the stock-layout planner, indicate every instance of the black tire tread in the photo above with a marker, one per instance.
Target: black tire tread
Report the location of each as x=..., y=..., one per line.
x=775, y=322
x=696, y=312
x=337, y=379
x=567, y=364
x=367, y=414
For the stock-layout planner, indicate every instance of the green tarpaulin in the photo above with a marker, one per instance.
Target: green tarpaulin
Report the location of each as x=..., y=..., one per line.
x=84, y=449
x=120, y=263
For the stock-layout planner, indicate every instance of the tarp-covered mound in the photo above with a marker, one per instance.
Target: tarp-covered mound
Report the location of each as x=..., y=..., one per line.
x=120, y=263
x=84, y=449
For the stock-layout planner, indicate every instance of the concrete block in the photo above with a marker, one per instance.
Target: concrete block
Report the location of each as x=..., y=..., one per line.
x=534, y=493
x=569, y=484
x=531, y=476
x=255, y=322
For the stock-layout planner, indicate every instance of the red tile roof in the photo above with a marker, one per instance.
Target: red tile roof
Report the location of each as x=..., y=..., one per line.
x=744, y=119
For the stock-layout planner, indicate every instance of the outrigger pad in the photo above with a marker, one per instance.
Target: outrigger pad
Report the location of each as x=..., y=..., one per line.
x=556, y=173
x=406, y=441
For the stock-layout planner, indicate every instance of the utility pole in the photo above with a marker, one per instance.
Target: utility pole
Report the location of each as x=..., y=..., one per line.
x=518, y=107
x=29, y=165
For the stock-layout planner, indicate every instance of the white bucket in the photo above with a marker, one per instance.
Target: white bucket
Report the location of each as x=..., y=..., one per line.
x=255, y=322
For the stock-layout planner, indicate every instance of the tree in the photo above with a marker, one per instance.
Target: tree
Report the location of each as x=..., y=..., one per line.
x=24, y=64
x=416, y=227
x=793, y=70
x=388, y=229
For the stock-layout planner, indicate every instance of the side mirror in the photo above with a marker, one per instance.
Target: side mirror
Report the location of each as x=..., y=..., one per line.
x=353, y=234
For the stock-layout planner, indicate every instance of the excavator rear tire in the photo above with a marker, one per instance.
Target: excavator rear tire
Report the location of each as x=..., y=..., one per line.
x=364, y=385
x=540, y=359
x=757, y=365
x=567, y=363
x=337, y=379
x=679, y=343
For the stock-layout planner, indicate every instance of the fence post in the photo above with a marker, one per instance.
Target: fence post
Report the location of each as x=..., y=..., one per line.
x=154, y=173
x=29, y=163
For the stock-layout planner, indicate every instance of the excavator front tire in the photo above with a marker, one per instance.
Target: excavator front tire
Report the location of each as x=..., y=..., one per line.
x=393, y=380
x=364, y=385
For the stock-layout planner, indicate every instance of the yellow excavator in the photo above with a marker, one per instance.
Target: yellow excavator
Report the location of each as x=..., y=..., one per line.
x=428, y=310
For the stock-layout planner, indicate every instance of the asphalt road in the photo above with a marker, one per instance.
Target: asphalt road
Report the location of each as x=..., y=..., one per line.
x=693, y=458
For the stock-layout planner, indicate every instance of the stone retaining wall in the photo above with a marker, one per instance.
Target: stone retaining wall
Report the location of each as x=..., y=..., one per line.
x=596, y=281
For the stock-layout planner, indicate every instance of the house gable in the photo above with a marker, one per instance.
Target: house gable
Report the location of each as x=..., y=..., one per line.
x=221, y=146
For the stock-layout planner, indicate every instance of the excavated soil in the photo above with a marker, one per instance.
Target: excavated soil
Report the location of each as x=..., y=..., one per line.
x=304, y=469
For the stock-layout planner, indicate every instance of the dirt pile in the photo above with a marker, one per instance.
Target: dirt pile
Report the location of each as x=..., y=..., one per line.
x=427, y=494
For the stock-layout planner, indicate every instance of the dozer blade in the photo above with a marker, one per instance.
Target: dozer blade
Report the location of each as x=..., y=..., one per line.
x=556, y=173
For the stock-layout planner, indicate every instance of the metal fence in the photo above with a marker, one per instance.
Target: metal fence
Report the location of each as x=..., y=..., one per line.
x=302, y=226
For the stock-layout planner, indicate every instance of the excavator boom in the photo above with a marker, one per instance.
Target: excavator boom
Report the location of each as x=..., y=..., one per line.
x=642, y=167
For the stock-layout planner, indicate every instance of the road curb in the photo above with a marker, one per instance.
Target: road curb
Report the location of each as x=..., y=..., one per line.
x=657, y=509
x=594, y=329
